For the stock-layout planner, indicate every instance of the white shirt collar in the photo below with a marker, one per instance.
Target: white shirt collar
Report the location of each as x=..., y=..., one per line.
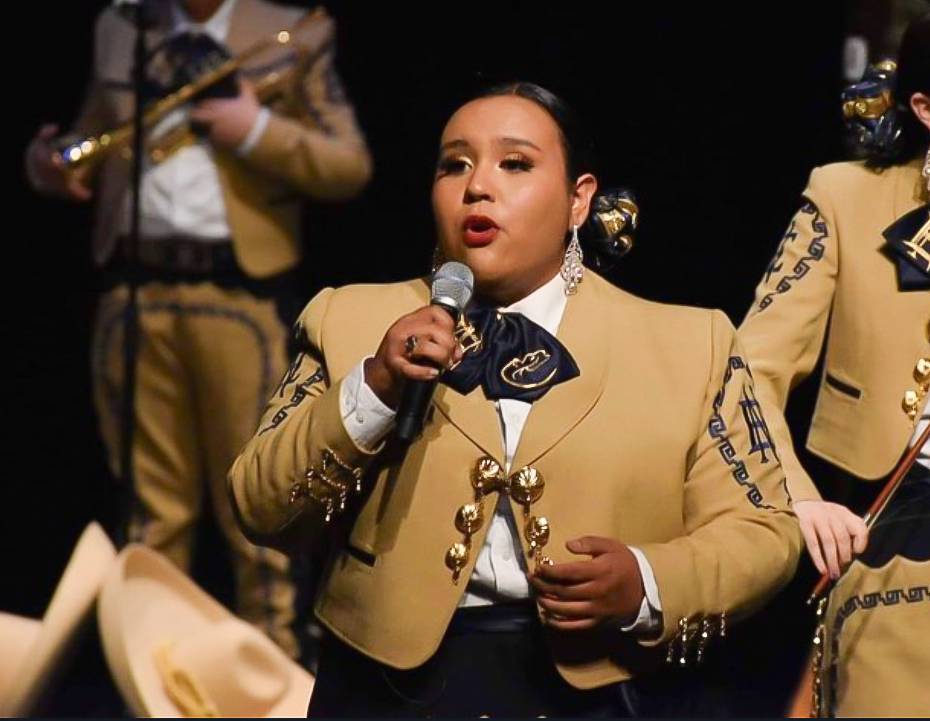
x=216, y=26
x=544, y=306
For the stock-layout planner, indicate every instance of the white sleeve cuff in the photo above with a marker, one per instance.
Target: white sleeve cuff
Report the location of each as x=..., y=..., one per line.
x=649, y=618
x=258, y=127
x=366, y=419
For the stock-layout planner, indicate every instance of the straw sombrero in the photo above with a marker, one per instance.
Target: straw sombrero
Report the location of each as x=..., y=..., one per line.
x=32, y=649
x=174, y=651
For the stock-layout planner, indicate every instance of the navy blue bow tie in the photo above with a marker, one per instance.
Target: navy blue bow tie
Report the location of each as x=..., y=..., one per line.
x=909, y=243
x=184, y=57
x=509, y=356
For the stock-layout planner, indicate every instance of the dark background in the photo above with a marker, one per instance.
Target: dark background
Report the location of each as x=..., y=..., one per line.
x=713, y=115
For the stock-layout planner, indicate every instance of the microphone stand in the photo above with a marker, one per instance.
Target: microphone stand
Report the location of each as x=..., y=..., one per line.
x=127, y=496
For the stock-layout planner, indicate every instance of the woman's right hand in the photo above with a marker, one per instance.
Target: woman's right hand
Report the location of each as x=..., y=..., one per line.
x=396, y=361
x=832, y=533
x=47, y=170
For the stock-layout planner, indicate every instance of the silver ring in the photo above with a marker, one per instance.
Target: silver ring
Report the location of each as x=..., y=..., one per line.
x=410, y=344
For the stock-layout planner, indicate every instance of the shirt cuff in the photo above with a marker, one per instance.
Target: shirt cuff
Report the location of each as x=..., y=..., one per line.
x=258, y=128
x=649, y=618
x=366, y=419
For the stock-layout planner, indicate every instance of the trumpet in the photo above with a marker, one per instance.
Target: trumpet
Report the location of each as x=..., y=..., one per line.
x=82, y=156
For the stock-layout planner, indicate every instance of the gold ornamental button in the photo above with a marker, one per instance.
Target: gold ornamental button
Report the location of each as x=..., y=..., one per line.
x=526, y=486
x=469, y=518
x=911, y=403
x=537, y=531
x=488, y=476
x=456, y=557
x=922, y=371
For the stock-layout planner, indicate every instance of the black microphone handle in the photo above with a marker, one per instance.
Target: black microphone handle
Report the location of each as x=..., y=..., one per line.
x=412, y=409
x=416, y=398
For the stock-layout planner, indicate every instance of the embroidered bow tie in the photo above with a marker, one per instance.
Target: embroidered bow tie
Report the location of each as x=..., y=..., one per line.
x=509, y=356
x=908, y=241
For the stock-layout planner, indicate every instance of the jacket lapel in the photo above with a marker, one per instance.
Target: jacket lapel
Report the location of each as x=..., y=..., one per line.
x=475, y=416
x=583, y=332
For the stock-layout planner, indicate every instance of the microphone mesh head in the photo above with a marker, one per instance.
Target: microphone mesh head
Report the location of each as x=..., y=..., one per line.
x=453, y=285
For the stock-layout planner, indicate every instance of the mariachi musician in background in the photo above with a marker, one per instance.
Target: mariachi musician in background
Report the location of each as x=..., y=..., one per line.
x=853, y=273
x=219, y=240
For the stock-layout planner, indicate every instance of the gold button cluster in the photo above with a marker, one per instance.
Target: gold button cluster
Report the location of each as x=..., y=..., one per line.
x=914, y=398
x=525, y=487
x=695, y=634
x=329, y=484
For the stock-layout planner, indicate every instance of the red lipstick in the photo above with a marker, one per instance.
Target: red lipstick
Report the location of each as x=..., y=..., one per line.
x=479, y=230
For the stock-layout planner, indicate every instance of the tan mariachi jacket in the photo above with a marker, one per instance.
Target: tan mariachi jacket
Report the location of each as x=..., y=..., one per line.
x=657, y=443
x=831, y=280
x=312, y=144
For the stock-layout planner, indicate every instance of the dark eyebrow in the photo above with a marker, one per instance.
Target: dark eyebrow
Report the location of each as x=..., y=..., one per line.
x=458, y=143
x=518, y=141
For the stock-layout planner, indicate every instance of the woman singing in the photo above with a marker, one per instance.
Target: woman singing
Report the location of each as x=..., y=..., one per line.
x=595, y=491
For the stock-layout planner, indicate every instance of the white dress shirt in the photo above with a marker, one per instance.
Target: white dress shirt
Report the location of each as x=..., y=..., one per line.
x=182, y=194
x=500, y=570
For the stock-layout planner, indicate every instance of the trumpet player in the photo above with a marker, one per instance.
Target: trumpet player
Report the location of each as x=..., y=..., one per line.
x=222, y=182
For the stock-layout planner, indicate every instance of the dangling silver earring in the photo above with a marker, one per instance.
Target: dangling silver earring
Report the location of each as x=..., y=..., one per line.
x=926, y=171
x=438, y=259
x=572, y=268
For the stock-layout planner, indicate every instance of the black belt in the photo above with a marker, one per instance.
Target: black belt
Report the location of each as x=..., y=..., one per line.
x=178, y=260
x=183, y=255
x=497, y=618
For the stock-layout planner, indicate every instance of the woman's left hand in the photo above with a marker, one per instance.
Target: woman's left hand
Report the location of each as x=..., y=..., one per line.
x=582, y=594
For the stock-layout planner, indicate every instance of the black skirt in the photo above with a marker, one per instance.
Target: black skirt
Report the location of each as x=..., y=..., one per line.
x=493, y=661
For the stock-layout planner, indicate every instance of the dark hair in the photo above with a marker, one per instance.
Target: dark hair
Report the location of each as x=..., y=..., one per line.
x=576, y=141
x=913, y=76
x=603, y=248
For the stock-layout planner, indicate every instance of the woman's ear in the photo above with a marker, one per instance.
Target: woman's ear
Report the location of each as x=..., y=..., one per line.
x=920, y=105
x=583, y=193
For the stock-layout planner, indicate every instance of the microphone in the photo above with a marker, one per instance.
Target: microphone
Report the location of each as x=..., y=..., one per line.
x=451, y=290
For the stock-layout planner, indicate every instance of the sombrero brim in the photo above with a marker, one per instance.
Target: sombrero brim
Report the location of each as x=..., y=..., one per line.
x=70, y=605
x=145, y=602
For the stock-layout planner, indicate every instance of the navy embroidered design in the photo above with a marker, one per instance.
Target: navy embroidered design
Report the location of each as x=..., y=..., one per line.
x=301, y=391
x=717, y=428
x=293, y=372
x=814, y=253
x=867, y=602
x=759, y=436
x=116, y=321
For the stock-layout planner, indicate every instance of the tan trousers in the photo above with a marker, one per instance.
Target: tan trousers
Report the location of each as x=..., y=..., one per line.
x=208, y=360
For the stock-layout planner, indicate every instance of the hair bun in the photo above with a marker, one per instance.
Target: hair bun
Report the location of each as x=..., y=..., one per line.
x=870, y=112
x=611, y=226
